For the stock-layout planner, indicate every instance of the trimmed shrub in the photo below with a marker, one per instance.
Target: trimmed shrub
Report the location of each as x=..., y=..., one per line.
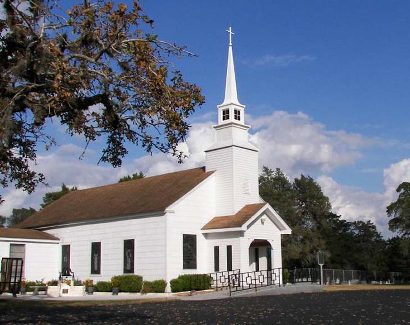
x=157, y=286
x=103, y=286
x=176, y=285
x=115, y=282
x=128, y=282
x=188, y=282
x=30, y=285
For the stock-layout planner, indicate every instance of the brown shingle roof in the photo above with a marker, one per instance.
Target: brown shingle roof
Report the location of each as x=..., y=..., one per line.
x=141, y=196
x=25, y=234
x=236, y=220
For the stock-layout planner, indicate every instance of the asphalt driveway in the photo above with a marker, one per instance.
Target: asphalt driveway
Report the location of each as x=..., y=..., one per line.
x=355, y=307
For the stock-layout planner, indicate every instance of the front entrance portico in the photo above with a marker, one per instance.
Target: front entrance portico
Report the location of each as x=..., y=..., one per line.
x=260, y=255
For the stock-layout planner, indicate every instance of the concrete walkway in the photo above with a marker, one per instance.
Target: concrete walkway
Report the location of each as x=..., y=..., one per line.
x=198, y=295
x=266, y=291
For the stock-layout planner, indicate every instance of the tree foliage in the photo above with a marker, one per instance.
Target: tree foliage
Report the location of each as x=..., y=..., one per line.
x=302, y=204
x=98, y=71
x=399, y=211
x=3, y=221
x=131, y=177
x=398, y=254
x=53, y=196
x=18, y=215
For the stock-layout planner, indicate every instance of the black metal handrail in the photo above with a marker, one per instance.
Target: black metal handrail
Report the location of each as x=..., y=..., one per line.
x=255, y=279
x=221, y=279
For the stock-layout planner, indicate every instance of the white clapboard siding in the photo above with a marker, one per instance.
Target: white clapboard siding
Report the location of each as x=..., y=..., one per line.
x=149, y=255
x=40, y=258
x=266, y=230
x=223, y=239
x=188, y=216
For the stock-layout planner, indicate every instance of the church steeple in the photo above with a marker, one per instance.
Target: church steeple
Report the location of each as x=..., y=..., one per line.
x=231, y=94
x=233, y=158
x=230, y=110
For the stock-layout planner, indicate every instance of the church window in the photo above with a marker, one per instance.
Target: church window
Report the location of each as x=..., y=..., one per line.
x=96, y=258
x=216, y=258
x=189, y=251
x=237, y=114
x=225, y=114
x=229, y=258
x=65, y=260
x=129, y=256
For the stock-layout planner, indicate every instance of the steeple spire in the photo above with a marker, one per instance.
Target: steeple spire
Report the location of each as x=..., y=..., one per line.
x=231, y=95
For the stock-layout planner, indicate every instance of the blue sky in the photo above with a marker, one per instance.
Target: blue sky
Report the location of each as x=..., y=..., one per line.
x=326, y=88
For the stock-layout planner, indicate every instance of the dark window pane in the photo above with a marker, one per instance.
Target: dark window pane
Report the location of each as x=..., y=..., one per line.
x=225, y=114
x=129, y=256
x=65, y=259
x=269, y=257
x=256, y=259
x=96, y=258
x=189, y=251
x=229, y=257
x=237, y=114
x=216, y=258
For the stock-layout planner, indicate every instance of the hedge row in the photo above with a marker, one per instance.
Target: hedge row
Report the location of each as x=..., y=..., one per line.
x=157, y=286
x=30, y=285
x=127, y=283
x=134, y=283
x=188, y=282
x=103, y=286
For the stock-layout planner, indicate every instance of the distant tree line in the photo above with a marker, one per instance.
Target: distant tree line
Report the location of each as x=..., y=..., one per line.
x=302, y=204
x=347, y=244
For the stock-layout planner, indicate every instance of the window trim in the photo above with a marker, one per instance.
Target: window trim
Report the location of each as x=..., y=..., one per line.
x=229, y=257
x=237, y=114
x=67, y=249
x=132, y=260
x=186, y=263
x=216, y=259
x=225, y=114
x=99, y=250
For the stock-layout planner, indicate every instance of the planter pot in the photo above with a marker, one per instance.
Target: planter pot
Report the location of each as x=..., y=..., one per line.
x=53, y=291
x=90, y=290
x=115, y=291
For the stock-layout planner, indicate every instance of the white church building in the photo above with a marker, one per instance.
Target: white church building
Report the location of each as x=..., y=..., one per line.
x=199, y=220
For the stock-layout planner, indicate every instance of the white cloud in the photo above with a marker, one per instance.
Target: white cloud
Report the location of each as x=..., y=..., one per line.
x=278, y=61
x=296, y=143
x=395, y=175
x=354, y=204
x=200, y=137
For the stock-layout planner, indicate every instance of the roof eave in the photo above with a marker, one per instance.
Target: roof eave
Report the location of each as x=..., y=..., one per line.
x=103, y=220
x=208, y=231
x=29, y=240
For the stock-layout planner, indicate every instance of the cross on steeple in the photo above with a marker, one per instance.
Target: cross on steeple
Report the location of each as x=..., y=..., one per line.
x=230, y=32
